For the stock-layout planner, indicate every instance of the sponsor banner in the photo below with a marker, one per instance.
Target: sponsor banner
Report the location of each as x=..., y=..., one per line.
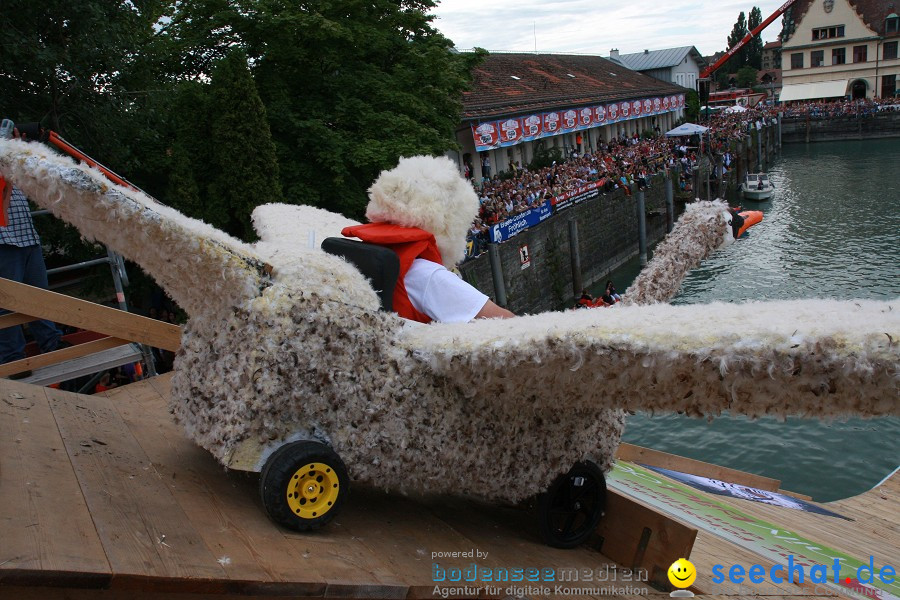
x=585, y=118
x=552, y=122
x=569, y=120
x=532, y=127
x=515, y=130
x=521, y=222
x=734, y=490
x=486, y=136
x=612, y=113
x=578, y=195
x=510, y=131
x=768, y=540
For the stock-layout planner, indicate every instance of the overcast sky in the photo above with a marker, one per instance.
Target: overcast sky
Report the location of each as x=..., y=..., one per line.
x=592, y=27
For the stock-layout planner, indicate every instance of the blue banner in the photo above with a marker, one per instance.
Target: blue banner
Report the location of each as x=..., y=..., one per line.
x=516, y=225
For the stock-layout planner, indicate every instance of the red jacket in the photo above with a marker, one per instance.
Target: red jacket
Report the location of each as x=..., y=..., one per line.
x=409, y=243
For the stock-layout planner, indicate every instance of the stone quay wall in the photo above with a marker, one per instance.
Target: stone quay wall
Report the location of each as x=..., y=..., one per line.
x=581, y=245
x=604, y=234
x=879, y=125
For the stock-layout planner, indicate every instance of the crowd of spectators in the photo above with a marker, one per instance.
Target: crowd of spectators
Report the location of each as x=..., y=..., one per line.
x=620, y=163
x=628, y=161
x=840, y=108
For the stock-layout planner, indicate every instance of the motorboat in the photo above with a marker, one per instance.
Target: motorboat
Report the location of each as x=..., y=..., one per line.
x=757, y=186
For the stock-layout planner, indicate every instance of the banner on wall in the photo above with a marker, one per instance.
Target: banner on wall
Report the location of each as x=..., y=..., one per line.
x=521, y=222
x=515, y=130
x=578, y=195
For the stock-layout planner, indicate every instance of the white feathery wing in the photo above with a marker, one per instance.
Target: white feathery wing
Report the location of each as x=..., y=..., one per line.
x=201, y=267
x=817, y=358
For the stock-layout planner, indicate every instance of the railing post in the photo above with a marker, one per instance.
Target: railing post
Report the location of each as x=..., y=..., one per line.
x=670, y=203
x=642, y=227
x=497, y=274
x=576, y=257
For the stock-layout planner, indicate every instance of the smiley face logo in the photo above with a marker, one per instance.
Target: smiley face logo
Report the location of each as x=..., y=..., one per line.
x=682, y=573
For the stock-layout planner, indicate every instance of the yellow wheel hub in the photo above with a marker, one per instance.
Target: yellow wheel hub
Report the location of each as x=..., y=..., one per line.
x=313, y=490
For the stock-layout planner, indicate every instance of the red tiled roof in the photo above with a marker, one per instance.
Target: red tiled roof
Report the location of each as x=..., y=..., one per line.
x=872, y=12
x=771, y=45
x=544, y=83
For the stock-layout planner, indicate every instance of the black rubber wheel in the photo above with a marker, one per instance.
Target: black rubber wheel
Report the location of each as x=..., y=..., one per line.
x=570, y=509
x=303, y=485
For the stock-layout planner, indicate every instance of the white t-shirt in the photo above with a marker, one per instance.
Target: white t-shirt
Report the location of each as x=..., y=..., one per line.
x=440, y=294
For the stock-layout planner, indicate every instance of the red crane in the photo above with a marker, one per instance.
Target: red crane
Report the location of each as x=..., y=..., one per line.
x=705, y=73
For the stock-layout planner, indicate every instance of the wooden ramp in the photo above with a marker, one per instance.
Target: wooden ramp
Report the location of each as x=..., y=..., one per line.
x=103, y=497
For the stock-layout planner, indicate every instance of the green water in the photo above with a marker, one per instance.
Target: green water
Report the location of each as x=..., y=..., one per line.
x=831, y=231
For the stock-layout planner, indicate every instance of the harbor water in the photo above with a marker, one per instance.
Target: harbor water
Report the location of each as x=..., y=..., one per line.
x=831, y=231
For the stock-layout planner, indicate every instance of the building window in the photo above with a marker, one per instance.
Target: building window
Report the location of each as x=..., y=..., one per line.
x=892, y=23
x=839, y=56
x=827, y=33
x=860, y=54
x=797, y=60
x=890, y=50
x=817, y=58
x=888, y=86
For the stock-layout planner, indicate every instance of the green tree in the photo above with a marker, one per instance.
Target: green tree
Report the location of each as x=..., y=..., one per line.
x=79, y=68
x=739, y=58
x=692, y=106
x=86, y=70
x=746, y=77
x=755, y=46
x=349, y=87
x=245, y=170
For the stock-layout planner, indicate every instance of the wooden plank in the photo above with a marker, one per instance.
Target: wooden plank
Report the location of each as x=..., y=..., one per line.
x=13, y=319
x=797, y=495
x=141, y=527
x=57, y=356
x=44, y=520
x=673, y=462
x=224, y=507
x=638, y=537
x=49, y=305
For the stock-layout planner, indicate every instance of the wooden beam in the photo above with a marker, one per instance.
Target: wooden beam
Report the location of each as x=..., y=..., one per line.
x=58, y=356
x=13, y=319
x=655, y=458
x=641, y=539
x=49, y=305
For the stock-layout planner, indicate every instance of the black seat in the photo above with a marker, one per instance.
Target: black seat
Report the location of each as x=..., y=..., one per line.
x=380, y=265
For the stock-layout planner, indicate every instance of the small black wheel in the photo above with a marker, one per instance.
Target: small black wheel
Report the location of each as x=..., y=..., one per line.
x=303, y=485
x=571, y=508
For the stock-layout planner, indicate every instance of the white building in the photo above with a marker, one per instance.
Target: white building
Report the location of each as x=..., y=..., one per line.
x=680, y=66
x=841, y=49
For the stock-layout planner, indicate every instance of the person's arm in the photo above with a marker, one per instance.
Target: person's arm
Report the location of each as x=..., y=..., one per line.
x=492, y=311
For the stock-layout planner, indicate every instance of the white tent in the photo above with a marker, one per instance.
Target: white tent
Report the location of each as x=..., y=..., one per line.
x=737, y=108
x=687, y=129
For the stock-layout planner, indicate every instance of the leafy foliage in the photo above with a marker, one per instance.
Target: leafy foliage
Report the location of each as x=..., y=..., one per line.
x=754, y=46
x=348, y=87
x=692, y=106
x=738, y=32
x=746, y=77
x=245, y=171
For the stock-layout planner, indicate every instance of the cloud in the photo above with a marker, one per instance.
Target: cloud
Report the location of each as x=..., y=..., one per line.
x=579, y=26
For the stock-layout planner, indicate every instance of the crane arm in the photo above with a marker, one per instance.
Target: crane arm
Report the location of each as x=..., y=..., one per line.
x=756, y=30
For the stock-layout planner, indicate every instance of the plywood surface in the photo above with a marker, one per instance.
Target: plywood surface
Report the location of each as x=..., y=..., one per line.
x=105, y=494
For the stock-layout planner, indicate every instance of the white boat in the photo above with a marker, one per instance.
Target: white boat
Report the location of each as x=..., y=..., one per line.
x=757, y=186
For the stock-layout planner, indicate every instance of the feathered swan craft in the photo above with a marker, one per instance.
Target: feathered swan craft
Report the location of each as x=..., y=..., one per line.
x=287, y=365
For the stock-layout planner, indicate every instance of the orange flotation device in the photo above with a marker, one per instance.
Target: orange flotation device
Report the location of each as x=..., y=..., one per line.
x=751, y=218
